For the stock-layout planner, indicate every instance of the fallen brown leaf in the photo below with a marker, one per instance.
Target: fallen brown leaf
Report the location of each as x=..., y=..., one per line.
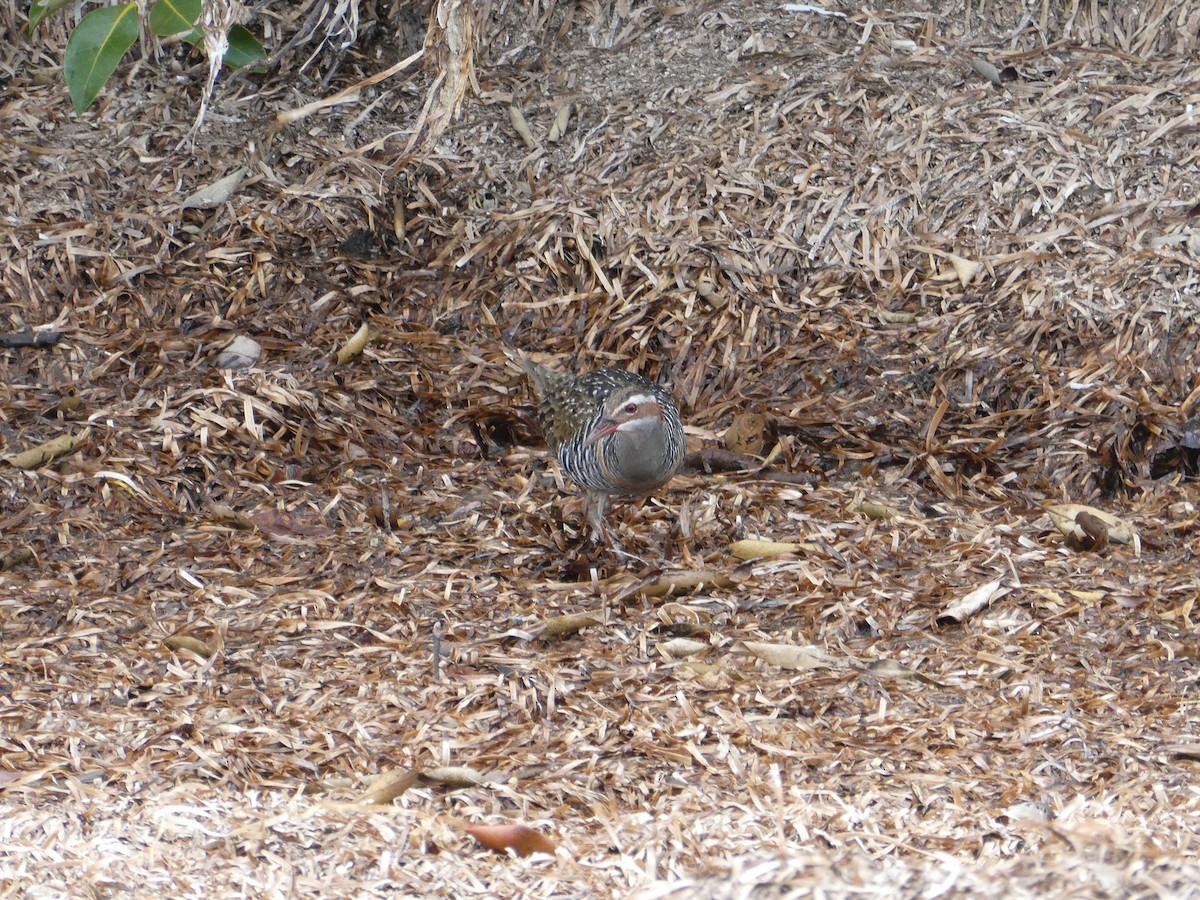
x=972, y=602
x=670, y=583
x=390, y=785
x=38, y=456
x=747, y=435
x=560, y=626
x=189, y=643
x=520, y=839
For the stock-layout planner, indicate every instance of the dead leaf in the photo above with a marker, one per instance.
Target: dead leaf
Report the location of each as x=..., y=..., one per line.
x=706, y=289
x=895, y=317
x=38, y=456
x=560, y=626
x=879, y=511
x=747, y=434
x=985, y=69
x=390, y=785
x=227, y=515
x=240, y=353
x=453, y=776
x=679, y=648
x=754, y=549
x=517, y=117
x=965, y=269
x=520, y=839
x=561, y=119
x=971, y=603
x=216, y=193
x=794, y=656
x=889, y=668
x=1065, y=517
x=354, y=347
x=187, y=642
x=669, y=583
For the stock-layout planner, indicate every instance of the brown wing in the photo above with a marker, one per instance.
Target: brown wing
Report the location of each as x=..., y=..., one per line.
x=567, y=404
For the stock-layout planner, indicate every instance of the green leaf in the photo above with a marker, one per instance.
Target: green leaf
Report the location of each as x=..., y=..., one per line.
x=39, y=9
x=173, y=16
x=95, y=48
x=244, y=48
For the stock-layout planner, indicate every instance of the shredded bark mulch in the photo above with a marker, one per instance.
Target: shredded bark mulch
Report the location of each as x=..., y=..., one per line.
x=917, y=618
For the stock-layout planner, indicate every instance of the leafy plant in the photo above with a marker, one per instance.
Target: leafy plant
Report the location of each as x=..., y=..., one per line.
x=102, y=38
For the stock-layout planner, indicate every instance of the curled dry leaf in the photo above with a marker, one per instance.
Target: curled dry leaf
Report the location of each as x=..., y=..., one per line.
x=216, y=193
x=354, y=347
x=517, y=117
x=669, y=583
x=892, y=317
x=390, y=785
x=453, y=776
x=1094, y=536
x=754, y=549
x=965, y=269
x=986, y=70
x=706, y=288
x=747, y=434
x=879, y=511
x=186, y=642
x=561, y=119
x=1027, y=812
x=240, y=353
x=795, y=656
x=679, y=648
x=889, y=668
x=43, y=453
x=520, y=839
x=1065, y=517
x=560, y=626
x=972, y=602
x=227, y=515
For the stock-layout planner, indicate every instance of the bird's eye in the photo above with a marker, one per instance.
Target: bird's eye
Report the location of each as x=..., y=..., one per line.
x=630, y=408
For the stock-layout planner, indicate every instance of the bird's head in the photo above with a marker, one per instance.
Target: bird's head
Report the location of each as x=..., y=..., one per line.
x=630, y=412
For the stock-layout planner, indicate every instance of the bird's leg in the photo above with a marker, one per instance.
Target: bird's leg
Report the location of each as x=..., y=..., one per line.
x=593, y=510
x=594, y=505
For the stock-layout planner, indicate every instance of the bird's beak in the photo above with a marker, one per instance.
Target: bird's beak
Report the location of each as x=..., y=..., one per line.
x=607, y=427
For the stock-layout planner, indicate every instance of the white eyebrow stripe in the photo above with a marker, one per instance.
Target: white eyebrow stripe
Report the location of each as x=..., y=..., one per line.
x=639, y=399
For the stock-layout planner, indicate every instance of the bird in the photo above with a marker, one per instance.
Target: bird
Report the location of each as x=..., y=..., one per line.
x=615, y=433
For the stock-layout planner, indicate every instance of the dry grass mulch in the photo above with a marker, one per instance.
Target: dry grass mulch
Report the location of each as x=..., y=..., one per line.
x=291, y=630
